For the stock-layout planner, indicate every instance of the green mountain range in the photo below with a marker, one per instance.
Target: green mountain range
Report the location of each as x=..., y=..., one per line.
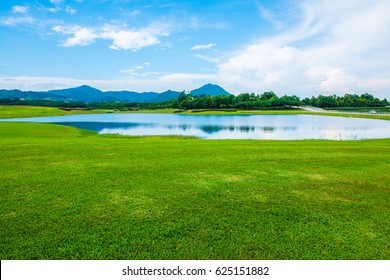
x=89, y=94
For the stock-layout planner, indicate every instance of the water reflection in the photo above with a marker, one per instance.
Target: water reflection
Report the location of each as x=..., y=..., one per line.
x=229, y=131
x=283, y=127
x=122, y=128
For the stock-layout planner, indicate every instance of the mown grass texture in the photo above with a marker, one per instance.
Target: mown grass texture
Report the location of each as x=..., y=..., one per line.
x=7, y=111
x=66, y=193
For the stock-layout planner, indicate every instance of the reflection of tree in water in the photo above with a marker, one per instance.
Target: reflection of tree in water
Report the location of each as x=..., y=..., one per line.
x=247, y=129
x=268, y=129
x=184, y=127
x=209, y=129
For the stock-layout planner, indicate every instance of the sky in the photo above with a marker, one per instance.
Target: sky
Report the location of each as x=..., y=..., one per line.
x=306, y=47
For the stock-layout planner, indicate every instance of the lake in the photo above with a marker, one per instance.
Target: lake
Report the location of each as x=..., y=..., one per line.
x=278, y=127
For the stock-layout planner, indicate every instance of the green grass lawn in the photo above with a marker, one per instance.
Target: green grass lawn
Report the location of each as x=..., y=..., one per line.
x=66, y=193
x=266, y=112
x=38, y=111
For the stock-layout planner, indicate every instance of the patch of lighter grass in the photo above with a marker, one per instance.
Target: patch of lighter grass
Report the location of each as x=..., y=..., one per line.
x=316, y=176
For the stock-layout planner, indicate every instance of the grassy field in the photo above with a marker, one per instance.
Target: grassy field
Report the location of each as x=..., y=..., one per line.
x=268, y=112
x=66, y=193
x=353, y=115
x=37, y=111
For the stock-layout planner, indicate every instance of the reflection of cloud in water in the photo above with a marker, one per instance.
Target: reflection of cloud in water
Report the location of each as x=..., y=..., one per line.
x=231, y=131
x=98, y=126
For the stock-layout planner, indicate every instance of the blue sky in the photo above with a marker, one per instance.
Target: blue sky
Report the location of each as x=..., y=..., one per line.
x=291, y=47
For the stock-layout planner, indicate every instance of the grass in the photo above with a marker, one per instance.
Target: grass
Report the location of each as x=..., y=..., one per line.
x=67, y=193
x=353, y=115
x=37, y=111
x=380, y=110
x=269, y=112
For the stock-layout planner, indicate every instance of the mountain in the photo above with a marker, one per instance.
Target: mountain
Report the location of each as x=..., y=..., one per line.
x=15, y=93
x=132, y=96
x=83, y=93
x=89, y=94
x=209, y=89
x=167, y=95
x=129, y=96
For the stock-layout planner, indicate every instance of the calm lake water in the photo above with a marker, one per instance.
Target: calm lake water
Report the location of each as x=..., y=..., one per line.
x=283, y=127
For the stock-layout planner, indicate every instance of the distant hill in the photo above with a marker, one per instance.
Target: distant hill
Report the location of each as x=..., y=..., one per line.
x=83, y=93
x=15, y=93
x=89, y=94
x=209, y=89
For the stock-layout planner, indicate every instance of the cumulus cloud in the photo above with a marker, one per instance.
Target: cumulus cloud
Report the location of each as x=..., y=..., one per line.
x=81, y=36
x=336, y=47
x=122, y=38
x=130, y=39
x=203, y=47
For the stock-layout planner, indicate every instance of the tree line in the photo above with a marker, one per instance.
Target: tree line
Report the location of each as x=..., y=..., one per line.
x=247, y=101
x=269, y=100
x=348, y=100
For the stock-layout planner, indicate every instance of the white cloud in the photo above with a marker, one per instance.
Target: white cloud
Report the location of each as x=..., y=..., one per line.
x=131, y=39
x=270, y=17
x=70, y=10
x=13, y=21
x=53, y=10
x=203, y=47
x=81, y=36
x=214, y=60
x=337, y=47
x=56, y=2
x=60, y=7
x=133, y=70
x=122, y=38
x=130, y=71
x=19, y=16
x=20, y=9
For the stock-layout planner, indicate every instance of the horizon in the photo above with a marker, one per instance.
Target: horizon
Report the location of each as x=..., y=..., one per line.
x=306, y=49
